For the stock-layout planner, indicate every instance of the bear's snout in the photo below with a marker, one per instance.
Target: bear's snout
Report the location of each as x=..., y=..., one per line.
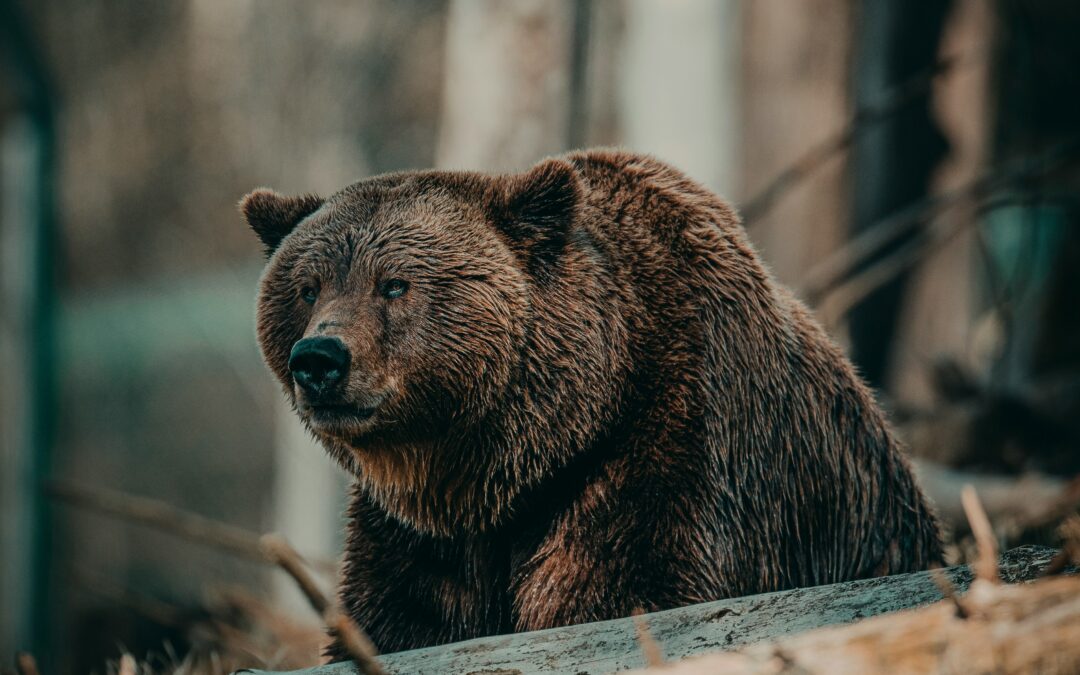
x=319, y=365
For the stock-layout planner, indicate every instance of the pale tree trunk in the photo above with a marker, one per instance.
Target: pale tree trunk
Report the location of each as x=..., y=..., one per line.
x=796, y=58
x=679, y=86
x=505, y=103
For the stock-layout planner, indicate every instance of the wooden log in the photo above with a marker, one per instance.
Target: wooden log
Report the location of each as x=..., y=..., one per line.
x=1007, y=630
x=608, y=646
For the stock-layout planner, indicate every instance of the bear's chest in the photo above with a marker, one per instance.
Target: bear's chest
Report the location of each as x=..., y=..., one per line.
x=410, y=589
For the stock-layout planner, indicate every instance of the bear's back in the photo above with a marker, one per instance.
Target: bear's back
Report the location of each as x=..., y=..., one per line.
x=810, y=477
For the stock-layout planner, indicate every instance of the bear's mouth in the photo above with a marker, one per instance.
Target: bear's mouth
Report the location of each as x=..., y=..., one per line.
x=341, y=417
x=338, y=417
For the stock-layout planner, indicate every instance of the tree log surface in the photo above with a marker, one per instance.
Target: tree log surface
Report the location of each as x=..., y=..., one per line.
x=609, y=646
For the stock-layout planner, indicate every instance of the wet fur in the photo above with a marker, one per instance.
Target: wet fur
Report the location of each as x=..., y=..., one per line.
x=606, y=403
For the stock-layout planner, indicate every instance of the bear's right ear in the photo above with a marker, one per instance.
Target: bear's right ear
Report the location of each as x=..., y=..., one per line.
x=274, y=216
x=538, y=208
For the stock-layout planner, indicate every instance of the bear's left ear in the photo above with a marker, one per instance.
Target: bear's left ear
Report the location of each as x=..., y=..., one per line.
x=541, y=206
x=274, y=216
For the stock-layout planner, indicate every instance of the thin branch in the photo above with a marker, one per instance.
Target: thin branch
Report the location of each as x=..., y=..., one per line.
x=282, y=554
x=167, y=518
x=892, y=102
x=852, y=292
x=162, y=516
x=270, y=548
x=823, y=277
x=356, y=643
x=828, y=277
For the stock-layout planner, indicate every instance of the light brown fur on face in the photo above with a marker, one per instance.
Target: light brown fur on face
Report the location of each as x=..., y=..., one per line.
x=591, y=398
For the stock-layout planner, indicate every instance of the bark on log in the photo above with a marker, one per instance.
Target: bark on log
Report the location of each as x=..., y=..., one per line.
x=1007, y=630
x=609, y=646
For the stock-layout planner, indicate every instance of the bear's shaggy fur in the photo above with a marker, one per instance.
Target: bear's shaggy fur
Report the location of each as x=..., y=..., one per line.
x=591, y=399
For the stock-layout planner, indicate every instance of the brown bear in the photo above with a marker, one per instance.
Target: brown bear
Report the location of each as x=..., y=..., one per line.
x=569, y=394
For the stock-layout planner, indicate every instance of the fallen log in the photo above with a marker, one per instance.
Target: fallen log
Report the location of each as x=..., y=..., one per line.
x=609, y=646
x=1007, y=630
x=994, y=628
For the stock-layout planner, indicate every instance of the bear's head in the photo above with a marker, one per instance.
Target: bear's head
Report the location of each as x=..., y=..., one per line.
x=396, y=312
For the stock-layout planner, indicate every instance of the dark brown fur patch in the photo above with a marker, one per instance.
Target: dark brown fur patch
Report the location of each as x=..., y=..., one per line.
x=594, y=398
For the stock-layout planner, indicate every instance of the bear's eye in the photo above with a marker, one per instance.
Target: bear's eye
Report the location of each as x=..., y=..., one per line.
x=394, y=288
x=309, y=294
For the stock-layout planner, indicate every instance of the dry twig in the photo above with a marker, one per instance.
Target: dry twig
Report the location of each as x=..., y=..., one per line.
x=650, y=650
x=268, y=548
x=833, y=276
x=162, y=516
x=986, y=565
x=356, y=642
x=167, y=518
x=282, y=554
x=892, y=102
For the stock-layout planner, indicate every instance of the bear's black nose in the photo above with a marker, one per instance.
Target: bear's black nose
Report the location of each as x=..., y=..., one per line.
x=318, y=364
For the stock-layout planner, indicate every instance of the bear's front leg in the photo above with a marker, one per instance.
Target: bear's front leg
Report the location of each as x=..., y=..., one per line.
x=624, y=545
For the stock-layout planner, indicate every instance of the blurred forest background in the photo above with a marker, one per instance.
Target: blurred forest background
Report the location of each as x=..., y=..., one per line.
x=909, y=168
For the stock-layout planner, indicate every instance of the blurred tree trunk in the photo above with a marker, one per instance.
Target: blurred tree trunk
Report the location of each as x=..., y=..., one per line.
x=796, y=58
x=507, y=86
x=939, y=316
x=678, y=84
x=892, y=161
